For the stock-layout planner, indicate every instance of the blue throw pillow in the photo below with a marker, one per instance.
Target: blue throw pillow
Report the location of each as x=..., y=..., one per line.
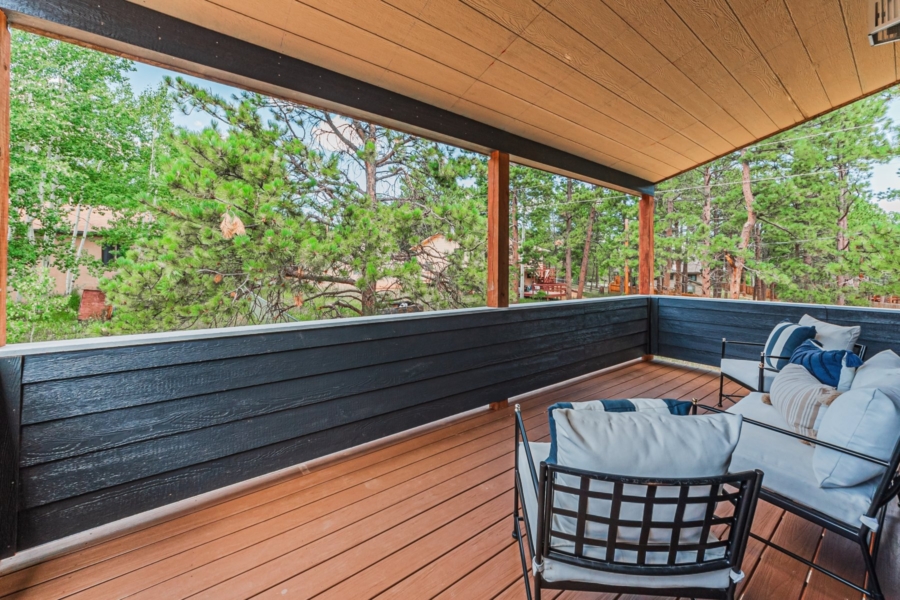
x=784, y=339
x=826, y=365
x=674, y=407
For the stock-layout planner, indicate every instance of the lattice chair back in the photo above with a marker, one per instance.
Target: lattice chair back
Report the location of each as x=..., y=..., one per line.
x=647, y=527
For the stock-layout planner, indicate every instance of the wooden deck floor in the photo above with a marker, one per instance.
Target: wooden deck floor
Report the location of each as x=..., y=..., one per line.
x=426, y=517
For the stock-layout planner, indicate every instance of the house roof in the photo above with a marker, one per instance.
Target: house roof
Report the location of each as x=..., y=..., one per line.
x=611, y=91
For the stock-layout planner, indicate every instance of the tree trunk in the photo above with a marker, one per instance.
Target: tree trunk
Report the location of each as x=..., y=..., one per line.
x=705, y=276
x=667, y=273
x=677, y=278
x=737, y=271
x=759, y=286
x=842, y=241
x=568, y=218
x=514, y=223
x=587, y=250
x=626, y=280
x=371, y=164
x=368, y=300
x=70, y=276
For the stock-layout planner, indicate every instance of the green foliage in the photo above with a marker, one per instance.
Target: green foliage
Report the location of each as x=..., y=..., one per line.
x=36, y=313
x=261, y=225
x=277, y=212
x=79, y=138
x=820, y=236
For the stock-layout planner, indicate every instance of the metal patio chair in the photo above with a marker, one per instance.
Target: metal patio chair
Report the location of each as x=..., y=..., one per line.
x=705, y=567
x=753, y=375
x=807, y=500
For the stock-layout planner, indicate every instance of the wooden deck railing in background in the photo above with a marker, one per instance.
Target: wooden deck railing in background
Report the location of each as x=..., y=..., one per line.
x=110, y=429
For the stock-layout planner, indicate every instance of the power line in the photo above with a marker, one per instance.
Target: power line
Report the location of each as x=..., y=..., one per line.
x=778, y=178
x=806, y=137
x=661, y=192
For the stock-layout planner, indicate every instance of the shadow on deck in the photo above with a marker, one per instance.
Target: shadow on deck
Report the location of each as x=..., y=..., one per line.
x=427, y=516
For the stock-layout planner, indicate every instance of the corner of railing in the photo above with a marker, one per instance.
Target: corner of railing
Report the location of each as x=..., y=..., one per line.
x=10, y=425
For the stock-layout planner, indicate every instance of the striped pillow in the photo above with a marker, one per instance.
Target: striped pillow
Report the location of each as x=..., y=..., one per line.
x=801, y=399
x=783, y=340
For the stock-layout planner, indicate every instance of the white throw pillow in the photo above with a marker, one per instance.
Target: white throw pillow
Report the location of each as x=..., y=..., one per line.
x=641, y=444
x=848, y=374
x=882, y=371
x=864, y=420
x=646, y=444
x=832, y=337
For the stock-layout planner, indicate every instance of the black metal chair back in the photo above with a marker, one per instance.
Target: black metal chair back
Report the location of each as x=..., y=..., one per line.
x=648, y=527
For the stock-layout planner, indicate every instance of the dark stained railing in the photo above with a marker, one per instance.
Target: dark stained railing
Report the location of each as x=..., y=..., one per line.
x=692, y=329
x=111, y=428
x=97, y=430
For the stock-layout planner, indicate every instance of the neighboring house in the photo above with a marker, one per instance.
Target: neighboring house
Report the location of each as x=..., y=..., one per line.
x=432, y=255
x=85, y=237
x=87, y=225
x=691, y=285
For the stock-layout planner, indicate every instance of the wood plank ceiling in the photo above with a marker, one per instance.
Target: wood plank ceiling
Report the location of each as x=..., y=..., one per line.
x=648, y=88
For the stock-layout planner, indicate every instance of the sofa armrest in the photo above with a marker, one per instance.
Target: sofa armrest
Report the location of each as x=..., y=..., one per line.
x=726, y=341
x=520, y=431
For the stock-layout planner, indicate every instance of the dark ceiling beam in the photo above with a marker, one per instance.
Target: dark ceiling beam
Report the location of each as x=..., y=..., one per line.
x=135, y=31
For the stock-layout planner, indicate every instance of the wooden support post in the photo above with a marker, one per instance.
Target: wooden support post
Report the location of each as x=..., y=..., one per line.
x=645, y=245
x=5, y=60
x=498, y=230
x=498, y=238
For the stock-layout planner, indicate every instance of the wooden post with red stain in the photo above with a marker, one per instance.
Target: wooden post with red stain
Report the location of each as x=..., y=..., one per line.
x=645, y=245
x=498, y=230
x=5, y=59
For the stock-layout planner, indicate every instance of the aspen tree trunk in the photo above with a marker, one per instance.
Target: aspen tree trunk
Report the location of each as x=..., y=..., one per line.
x=587, y=250
x=514, y=223
x=70, y=276
x=737, y=271
x=705, y=275
x=74, y=242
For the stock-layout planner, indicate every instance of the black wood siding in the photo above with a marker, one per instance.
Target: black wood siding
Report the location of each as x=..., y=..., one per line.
x=107, y=433
x=692, y=329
